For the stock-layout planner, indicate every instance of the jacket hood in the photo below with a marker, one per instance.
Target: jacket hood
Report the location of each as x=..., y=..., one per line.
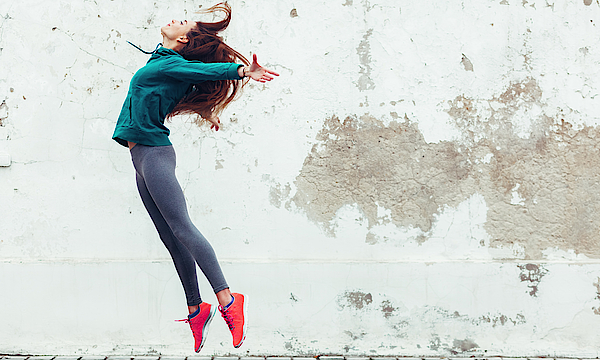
x=163, y=51
x=159, y=51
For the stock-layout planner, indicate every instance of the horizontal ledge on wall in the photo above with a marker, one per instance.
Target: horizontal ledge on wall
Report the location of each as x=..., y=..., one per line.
x=306, y=261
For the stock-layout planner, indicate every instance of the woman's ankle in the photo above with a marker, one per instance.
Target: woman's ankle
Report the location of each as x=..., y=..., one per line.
x=224, y=297
x=193, y=309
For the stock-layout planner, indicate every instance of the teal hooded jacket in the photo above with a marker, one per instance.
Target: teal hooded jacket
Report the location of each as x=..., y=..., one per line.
x=154, y=91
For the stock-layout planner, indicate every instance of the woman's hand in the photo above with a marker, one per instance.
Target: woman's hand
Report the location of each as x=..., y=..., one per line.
x=257, y=72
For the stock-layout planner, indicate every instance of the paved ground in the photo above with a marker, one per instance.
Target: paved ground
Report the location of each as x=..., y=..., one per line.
x=50, y=357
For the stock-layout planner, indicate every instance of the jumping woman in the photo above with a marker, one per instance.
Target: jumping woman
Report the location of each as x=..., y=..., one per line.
x=193, y=72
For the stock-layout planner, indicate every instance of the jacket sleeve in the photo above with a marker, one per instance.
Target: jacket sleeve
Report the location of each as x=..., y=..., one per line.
x=196, y=71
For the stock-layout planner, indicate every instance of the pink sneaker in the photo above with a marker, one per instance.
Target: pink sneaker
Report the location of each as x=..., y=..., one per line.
x=235, y=317
x=199, y=324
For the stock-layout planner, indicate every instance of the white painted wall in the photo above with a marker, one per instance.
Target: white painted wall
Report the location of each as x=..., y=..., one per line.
x=83, y=272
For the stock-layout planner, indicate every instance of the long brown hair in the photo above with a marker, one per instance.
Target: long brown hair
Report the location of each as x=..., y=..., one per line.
x=209, y=97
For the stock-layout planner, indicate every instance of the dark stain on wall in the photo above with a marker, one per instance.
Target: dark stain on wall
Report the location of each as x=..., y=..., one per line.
x=387, y=309
x=532, y=274
x=354, y=299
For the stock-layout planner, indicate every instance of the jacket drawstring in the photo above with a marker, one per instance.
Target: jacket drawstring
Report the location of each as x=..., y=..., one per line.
x=145, y=52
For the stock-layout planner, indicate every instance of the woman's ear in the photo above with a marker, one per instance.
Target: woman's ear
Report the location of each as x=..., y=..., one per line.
x=183, y=39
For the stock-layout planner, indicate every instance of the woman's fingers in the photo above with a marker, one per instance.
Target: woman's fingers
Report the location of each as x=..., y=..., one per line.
x=268, y=74
x=255, y=62
x=271, y=72
x=260, y=73
x=214, y=122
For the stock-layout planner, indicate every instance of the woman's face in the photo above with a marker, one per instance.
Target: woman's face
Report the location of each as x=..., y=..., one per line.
x=177, y=29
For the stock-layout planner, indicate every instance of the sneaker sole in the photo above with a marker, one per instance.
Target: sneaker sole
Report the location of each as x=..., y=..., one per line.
x=245, y=322
x=213, y=310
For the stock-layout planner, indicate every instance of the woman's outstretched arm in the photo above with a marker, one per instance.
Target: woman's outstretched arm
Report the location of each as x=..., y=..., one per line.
x=256, y=72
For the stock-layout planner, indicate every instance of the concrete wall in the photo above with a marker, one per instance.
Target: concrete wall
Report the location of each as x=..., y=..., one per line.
x=423, y=179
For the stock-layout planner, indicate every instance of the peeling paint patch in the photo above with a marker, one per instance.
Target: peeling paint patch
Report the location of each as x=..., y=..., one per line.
x=490, y=319
x=355, y=336
x=501, y=320
x=435, y=343
x=461, y=346
x=296, y=346
x=540, y=178
x=532, y=274
x=516, y=198
x=364, y=57
x=556, y=165
x=468, y=65
x=278, y=193
x=597, y=285
x=454, y=346
x=3, y=112
x=363, y=162
x=355, y=299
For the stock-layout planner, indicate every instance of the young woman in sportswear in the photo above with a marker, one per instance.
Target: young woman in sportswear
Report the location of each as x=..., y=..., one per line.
x=193, y=72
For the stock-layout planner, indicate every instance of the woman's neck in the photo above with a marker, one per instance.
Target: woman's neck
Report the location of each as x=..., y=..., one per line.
x=170, y=44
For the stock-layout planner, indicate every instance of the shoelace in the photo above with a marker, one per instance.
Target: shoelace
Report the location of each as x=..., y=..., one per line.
x=228, y=319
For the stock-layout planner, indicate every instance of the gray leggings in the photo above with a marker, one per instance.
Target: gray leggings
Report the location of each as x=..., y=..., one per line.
x=163, y=198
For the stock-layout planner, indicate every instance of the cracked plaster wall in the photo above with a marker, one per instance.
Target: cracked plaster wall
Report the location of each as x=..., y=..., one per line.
x=421, y=180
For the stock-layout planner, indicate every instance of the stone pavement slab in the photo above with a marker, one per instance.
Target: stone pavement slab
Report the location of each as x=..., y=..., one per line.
x=225, y=358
